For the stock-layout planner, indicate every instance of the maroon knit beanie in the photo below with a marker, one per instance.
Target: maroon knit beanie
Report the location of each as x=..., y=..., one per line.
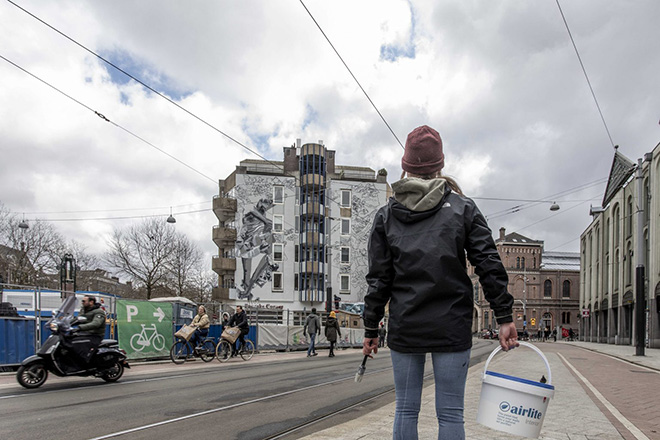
x=423, y=153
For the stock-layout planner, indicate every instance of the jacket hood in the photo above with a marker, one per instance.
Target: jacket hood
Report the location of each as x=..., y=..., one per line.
x=416, y=199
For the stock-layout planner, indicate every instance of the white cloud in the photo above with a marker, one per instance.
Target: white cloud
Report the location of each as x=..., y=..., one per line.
x=499, y=80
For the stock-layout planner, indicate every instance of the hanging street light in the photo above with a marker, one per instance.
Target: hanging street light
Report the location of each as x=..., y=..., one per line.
x=171, y=218
x=554, y=207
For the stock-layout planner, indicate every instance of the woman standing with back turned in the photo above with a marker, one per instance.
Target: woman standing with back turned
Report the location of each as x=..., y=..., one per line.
x=417, y=261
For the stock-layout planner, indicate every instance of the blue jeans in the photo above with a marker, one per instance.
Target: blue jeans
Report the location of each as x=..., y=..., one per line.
x=450, y=373
x=311, y=349
x=199, y=335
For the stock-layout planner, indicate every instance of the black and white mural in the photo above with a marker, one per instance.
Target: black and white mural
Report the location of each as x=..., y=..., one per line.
x=254, y=243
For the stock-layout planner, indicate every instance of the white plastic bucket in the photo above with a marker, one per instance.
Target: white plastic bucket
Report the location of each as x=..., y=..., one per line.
x=512, y=404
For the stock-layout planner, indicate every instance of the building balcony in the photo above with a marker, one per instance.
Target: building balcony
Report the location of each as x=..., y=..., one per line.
x=312, y=238
x=224, y=236
x=312, y=149
x=313, y=209
x=224, y=208
x=311, y=266
x=313, y=180
x=222, y=266
x=219, y=293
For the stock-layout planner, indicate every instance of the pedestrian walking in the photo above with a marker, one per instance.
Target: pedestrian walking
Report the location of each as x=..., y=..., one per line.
x=313, y=327
x=331, y=332
x=417, y=261
x=382, y=334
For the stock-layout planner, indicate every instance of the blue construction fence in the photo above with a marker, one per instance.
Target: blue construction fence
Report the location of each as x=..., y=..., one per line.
x=18, y=338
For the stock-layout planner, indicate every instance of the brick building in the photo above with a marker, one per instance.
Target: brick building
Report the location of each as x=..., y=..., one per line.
x=545, y=286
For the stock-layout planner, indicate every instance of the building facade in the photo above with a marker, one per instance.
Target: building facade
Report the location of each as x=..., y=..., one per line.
x=608, y=250
x=293, y=233
x=545, y=286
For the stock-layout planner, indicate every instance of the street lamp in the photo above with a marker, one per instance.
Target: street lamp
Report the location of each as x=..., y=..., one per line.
x=171, y=218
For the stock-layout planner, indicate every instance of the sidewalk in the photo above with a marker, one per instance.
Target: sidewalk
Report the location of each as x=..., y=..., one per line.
x=572, y=414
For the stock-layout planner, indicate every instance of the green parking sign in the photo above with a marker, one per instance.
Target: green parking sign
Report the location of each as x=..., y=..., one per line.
x=145, y=328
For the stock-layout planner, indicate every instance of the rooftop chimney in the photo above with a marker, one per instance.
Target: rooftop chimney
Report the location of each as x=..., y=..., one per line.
x=502, y=233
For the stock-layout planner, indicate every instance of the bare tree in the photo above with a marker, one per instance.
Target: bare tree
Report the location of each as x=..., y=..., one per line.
x=143, y=252
x=34, y=258
x=200, y=283
x=186, y=256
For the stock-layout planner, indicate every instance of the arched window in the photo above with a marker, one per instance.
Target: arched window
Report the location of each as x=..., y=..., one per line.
x=522, y=262
x=534, y=263
x=629, y=264
x=629, y=217
x=566, y=289
x=517, y=262
x=617, y=225
x=547, y=289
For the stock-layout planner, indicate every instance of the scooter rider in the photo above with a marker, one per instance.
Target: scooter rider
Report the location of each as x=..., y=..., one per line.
x=87, y=335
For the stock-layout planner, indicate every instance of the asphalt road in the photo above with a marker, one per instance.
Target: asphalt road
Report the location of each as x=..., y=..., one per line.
x=258, y=399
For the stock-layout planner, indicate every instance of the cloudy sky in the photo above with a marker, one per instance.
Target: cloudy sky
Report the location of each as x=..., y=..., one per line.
x=500, y=80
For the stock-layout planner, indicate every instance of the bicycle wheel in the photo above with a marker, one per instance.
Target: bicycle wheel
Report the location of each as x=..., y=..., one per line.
x=206, y=351
x=248, y=350
x=223, y=350
x=180, y=351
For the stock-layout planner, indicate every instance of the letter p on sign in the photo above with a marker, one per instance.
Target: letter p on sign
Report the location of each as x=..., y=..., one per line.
x=131, y=311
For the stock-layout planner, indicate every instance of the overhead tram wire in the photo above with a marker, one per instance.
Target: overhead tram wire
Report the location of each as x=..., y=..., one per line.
x=148, y=87
x=585, y=73
x=533, y=203
x=145, y=85
x=354, y=78
x=100, y=115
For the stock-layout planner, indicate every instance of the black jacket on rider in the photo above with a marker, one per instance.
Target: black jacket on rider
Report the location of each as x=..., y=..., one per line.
x=90, y=334
x=240, y=320
x=417, y=261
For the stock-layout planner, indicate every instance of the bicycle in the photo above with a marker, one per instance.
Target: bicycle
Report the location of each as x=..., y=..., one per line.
x=224, y=348
x=182, y=350
x=140, y=340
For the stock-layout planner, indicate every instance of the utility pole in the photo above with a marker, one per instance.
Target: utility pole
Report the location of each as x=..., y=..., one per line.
x=640, y=300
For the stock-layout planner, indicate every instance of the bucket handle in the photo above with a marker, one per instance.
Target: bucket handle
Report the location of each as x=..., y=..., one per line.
x=524, y=344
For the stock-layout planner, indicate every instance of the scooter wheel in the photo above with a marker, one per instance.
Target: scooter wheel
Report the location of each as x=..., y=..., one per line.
x=32, y=376
x=114, y=373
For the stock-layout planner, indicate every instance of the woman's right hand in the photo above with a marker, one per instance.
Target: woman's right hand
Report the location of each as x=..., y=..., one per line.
x=369, y=345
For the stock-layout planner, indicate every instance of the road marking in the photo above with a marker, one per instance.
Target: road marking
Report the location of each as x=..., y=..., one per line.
x=615, y=412
x=235, y=405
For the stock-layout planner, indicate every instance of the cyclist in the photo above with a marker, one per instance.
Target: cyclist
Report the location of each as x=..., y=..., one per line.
x=240, y=320
x=201, y=323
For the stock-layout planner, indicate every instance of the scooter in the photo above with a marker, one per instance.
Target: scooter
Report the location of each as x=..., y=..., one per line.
x=108, y=361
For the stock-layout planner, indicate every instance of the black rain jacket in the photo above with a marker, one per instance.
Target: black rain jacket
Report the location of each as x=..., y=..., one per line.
x=417, y=262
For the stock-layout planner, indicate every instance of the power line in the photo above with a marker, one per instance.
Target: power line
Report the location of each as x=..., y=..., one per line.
x=90, y=211
x=349, y=71
x=100, y=115
x=585, y=73
x=148, y=87
x=143, y=84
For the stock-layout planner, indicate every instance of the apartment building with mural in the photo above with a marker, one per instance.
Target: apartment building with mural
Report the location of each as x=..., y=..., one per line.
x=609, y=255
x=545, y=286
x=293, y=233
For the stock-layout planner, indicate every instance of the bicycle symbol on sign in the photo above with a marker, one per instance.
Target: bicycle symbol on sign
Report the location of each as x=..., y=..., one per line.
x=140, y=340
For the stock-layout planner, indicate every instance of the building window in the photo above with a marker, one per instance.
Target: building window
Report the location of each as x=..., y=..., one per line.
x=296, y=253
x=345, y=255
x=517, y=262
x=629, y=217
x=345, y=226
x=566, y=289
x=278, y=222
x=297, y=224
x=295, y=281
x=277, y=282
x=277, y=252
x=547, y=289
x=522, y=262
x=346, y=198
x=344, y=284
x=278, y=194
